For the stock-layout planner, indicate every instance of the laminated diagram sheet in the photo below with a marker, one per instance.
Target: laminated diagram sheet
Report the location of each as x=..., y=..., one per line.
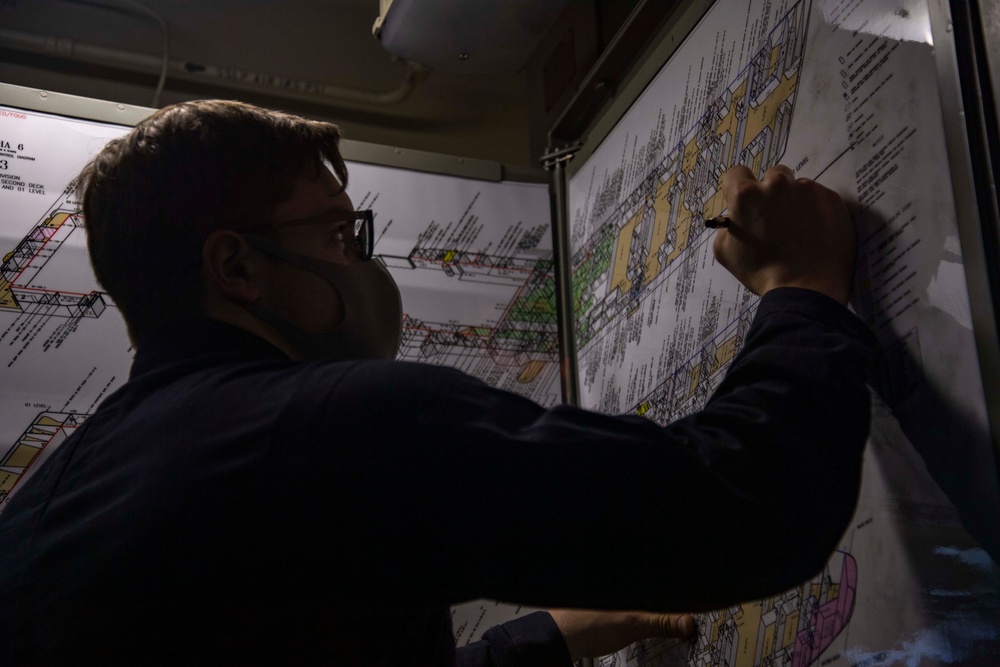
x=63, y=345
x=844, y=92
x=473, y=260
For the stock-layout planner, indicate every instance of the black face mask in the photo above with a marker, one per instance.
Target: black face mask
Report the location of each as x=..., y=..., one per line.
x=372, y=324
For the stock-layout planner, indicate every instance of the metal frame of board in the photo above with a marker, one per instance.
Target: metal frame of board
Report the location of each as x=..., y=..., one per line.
x=101, y=111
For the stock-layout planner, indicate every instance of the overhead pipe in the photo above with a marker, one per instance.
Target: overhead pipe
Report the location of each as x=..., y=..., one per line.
x=303, y=90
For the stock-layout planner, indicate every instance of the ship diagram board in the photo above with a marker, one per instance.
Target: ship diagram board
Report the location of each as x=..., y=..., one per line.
x=63, y=345
x=844, y=93
x=473, y=260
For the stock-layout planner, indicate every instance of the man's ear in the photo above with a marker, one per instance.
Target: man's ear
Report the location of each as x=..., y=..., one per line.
x=231, y=267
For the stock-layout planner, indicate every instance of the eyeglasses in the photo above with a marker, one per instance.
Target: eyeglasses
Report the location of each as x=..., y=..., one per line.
x=364, y=228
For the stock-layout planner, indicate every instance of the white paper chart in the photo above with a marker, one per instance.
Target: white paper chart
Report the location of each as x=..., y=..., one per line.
x=472, y=258
x=844, y=93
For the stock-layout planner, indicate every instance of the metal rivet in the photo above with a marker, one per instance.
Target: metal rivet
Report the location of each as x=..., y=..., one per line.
x=463, y=56
x=397, y=151
x=121, y=107
x=948, y=27
x=43, y=94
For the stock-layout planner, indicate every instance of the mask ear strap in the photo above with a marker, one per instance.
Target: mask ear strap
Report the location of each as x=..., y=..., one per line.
x=302, y=261
x=336, y=345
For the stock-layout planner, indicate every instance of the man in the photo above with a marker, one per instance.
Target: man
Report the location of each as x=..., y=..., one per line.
x=264, y=489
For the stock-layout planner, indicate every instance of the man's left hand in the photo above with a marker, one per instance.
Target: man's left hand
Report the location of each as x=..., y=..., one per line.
x=591, y=634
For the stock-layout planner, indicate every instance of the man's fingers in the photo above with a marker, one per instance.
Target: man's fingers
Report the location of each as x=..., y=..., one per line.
x=674, y=626
x=778, y=172
x=719, y=249
x=734, y=180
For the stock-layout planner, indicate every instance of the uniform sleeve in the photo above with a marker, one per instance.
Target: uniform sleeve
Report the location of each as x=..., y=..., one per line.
x=530, y=641
x=457, y=490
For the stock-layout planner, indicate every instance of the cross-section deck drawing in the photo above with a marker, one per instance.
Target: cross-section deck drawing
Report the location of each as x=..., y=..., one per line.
x=517, y=349
x=30, y=275
x=47, y=431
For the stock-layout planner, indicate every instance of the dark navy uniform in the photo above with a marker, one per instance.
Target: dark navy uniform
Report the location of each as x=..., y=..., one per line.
x=228, y=505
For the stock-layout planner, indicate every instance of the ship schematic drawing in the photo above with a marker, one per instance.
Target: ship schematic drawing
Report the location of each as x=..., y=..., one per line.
x=33, y=289
x=46, y=432
x=516, y=347
x=642, y=236
x=25, y=270
x=642, y=226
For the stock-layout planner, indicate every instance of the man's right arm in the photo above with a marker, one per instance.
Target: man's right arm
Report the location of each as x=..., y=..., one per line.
x=488, y=495
x=458, y=490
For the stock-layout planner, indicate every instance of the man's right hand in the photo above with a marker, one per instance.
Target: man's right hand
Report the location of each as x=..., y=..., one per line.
x=785, y=232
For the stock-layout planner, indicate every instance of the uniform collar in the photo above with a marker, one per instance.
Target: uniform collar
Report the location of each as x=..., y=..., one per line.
x=201, y=341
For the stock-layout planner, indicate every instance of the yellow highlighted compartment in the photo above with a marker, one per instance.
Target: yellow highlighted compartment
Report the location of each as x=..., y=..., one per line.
x=7, y=481
x=695, y=379
x=57, y=220
x=7, y=299
x=619, y=271
x=767, y=647
x=21, y=456
x=791, y=629
x=531, y=371
x=713, y=633
x=690, y=155
x=747, y=623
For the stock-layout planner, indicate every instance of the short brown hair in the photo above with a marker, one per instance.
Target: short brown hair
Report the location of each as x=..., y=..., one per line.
x=152, y=197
